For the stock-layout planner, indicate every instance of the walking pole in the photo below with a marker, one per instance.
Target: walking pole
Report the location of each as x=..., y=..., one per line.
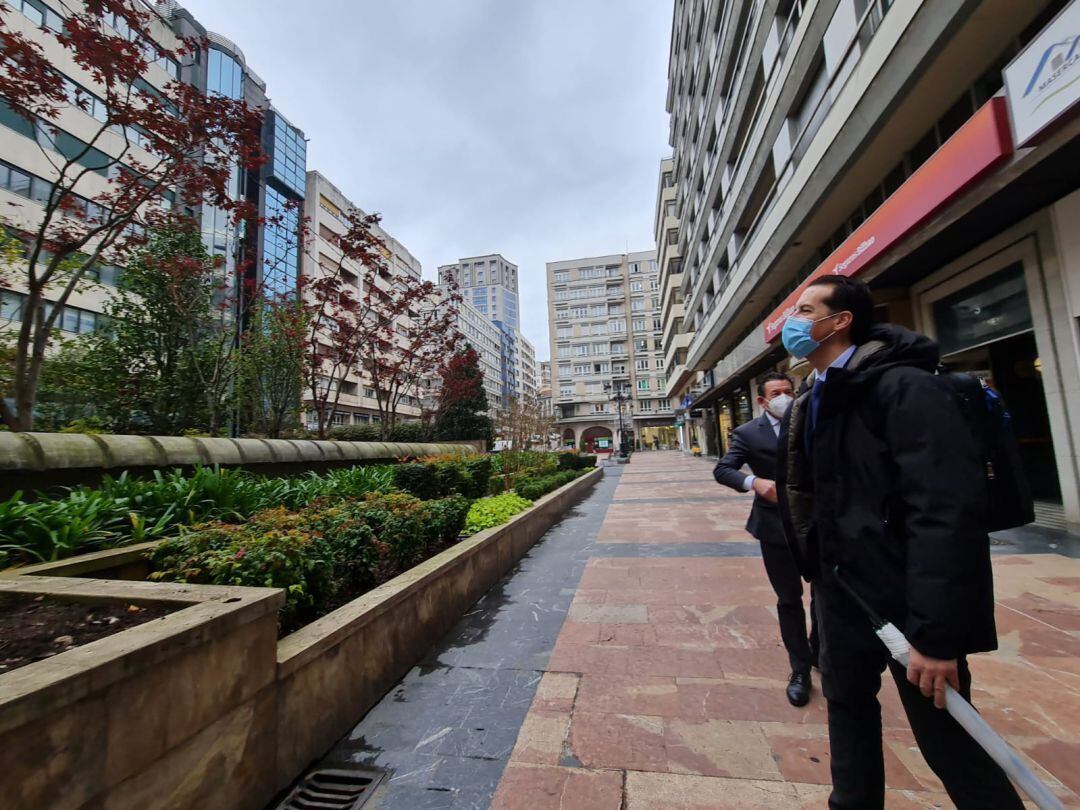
x=963, y=712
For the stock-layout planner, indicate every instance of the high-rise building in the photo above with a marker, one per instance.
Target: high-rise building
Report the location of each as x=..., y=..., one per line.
x=609, y=382
x=272, y=241
x=490, y=285
x=486, y=338
x=27, y=171
x=325, y=209
x=931, y=149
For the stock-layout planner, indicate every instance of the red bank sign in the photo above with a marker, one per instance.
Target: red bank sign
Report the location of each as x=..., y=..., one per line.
x=978, y=146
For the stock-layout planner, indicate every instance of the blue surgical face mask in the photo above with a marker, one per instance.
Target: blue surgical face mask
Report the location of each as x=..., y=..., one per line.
x=796, y=336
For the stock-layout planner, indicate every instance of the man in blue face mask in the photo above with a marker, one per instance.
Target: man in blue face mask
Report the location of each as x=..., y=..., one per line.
x=754, y=444
x=880, y=481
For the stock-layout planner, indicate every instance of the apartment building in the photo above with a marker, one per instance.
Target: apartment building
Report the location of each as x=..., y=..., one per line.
x=609, y=383
x=543, y=391
x=490, y=285
x=487, y=339
x=271, y=242
x=325, y=209
x=930, y=147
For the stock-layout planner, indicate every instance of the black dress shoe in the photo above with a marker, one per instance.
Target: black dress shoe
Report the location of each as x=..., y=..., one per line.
x=798, y=690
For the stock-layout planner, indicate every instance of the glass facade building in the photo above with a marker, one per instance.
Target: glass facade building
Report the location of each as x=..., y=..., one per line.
x=280, y=244
x=283, y=182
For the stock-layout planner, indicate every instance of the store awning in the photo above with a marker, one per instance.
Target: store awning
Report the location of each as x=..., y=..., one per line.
x=976, y=148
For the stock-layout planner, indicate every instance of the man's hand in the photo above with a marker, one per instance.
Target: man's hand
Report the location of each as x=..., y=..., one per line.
x=766, y=489
x=931, y=675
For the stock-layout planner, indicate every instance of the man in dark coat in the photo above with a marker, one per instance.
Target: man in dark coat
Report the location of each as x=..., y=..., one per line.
x=755, y=444
x=881, y=485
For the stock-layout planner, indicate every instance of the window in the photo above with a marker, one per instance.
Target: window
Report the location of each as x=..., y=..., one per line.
x=617, y=326
x=564, y=370
x=639, y=325
x=563, y=351
x=657, y=325
x=641, y=345
x=581, y=350
x=565, y=332
x=645, y=405
x=566, y=391
x=636, y=286
x=635, y=267
x=579, y=370
x=637, y=305
x=643, y=385
x=642, y=365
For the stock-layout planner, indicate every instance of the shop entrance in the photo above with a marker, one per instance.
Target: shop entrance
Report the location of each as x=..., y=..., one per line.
x=1012, y=367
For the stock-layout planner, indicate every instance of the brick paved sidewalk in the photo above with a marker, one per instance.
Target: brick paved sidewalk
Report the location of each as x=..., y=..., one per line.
x=666, y=685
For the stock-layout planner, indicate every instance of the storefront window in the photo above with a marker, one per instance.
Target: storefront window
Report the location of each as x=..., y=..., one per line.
x=991, y=309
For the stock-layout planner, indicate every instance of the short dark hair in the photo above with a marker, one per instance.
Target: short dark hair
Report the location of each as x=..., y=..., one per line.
x=772, y=376
x=849, y=295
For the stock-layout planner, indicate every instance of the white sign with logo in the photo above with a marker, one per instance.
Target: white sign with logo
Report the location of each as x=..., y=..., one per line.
x=1043, y=82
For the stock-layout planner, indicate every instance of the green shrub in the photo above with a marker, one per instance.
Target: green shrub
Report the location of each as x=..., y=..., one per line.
x=575, y=461
x=411, y=432
x=130, y=510
x=254, y=555
x=355, y=433
x=533, y=488
x=416, y=479
x=478, y=473
x=494, y=511
x=323, y=555
x=444, y=519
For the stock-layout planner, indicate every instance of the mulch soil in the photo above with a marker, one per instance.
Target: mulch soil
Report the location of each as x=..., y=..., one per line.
x=33, y=628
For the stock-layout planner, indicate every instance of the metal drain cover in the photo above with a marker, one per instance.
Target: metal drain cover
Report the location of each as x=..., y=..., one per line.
x=333, y=789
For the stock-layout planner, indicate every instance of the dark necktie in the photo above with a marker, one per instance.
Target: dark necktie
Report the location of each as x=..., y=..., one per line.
x=815, y=401
x=811, y=422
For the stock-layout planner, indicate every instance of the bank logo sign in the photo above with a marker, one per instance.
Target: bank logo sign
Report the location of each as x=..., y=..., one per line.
x=1042, y=84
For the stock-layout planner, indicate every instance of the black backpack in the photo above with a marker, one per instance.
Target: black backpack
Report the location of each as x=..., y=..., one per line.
x=1009, y=502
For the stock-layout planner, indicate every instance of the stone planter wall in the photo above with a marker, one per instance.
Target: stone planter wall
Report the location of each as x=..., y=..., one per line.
x=33, y=461
x=206, y=709
x=177, y=713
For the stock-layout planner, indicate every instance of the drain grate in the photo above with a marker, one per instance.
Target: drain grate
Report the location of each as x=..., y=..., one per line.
x=333, y=789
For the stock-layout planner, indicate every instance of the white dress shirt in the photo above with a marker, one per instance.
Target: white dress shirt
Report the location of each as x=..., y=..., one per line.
x=748, y=483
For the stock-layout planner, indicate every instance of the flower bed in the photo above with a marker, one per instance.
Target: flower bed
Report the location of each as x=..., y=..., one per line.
x=202, y=709
x=322, y=556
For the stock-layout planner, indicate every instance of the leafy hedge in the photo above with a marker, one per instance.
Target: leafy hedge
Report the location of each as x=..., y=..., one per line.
x=401, y=432
x=533, y=488
x=322, y=556
x=494, y=511
x=128, y=510
x=576, y=461
x=438, y=478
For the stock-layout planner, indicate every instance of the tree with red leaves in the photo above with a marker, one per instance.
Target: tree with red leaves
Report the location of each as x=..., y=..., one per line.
x=151, y=152
x=462, y=412
x=390, y=328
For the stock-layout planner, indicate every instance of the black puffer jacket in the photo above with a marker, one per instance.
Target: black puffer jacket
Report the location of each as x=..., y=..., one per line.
x=893, y=495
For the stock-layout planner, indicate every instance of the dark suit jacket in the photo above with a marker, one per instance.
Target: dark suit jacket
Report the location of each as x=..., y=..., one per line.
x=754, y=444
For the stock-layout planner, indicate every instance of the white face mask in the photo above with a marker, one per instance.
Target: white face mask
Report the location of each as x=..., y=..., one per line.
x=778, y=405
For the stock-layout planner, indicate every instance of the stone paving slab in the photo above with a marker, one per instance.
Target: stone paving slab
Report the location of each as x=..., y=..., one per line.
x=633, y=662
x=669, y=672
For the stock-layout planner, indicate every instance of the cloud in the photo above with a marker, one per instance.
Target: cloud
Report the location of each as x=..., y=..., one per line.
x=531, y=128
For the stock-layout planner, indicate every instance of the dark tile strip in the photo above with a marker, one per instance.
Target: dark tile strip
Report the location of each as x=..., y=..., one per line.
x=445, y=732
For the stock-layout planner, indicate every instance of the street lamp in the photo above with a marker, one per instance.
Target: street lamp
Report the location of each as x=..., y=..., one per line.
x=619, y=395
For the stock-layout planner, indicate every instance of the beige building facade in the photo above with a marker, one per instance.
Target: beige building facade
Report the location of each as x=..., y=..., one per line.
x=609, y=382
x=325, y=208
x=877, y=139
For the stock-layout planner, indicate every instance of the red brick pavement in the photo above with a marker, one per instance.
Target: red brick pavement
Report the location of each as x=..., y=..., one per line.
x=666, y=686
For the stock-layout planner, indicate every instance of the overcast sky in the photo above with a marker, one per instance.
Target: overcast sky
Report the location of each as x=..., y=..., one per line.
x=531, y=128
